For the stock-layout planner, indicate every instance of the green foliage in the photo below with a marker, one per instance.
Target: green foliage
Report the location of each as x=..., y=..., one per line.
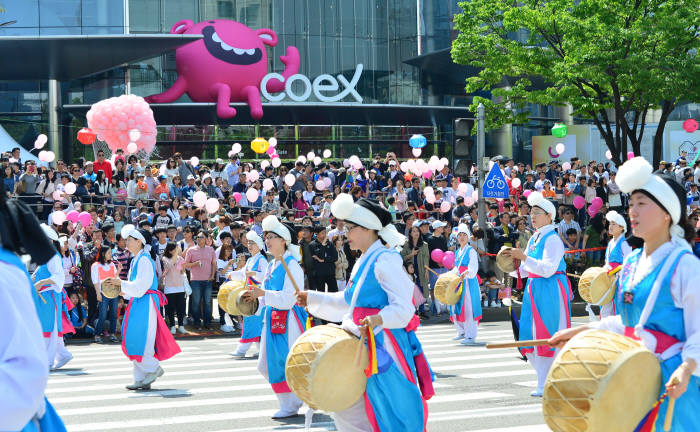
x=609, y=59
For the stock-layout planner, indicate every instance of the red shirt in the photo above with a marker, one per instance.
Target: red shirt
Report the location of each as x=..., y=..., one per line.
x=104, y=166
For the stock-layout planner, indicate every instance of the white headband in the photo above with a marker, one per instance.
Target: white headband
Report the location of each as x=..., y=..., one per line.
x=344, y=207
x=463, y=228
x=273, y=225
x=131, y=231
x=536, y=199
x=613, y=216
x=50, y=233
x=254, y=237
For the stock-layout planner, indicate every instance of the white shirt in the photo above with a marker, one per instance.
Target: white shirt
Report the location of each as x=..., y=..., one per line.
x=398, y=286
x=286, y=298
x=472, y=267
x=685, y=290
x=143, y=280
x=23, y=371
x=95, y=273
x=239, y=275
x=57, y=275
x=626, y=248
x=551, y=258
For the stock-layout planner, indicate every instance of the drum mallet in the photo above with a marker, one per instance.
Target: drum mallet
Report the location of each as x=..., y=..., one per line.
x=289, y=273
x=669, y=412
x=517, y=344
x=431, y=271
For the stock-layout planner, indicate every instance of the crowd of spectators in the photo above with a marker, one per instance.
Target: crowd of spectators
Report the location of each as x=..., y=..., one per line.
x=194, y=249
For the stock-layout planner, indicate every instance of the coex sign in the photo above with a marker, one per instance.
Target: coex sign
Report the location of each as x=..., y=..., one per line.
x=320, y=86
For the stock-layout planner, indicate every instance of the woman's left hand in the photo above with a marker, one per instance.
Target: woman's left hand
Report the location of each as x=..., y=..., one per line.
x=371, y=321
x=678, y=382
x=516, y=253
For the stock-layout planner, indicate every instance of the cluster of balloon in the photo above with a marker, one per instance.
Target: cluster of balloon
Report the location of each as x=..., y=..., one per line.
x=690, y=125
x=40, y=141
x=418, y=167
x=201, y=201
x=445, y=259
x=417, y=142
x=120, y=122
x=560, y=130
x=58, y=217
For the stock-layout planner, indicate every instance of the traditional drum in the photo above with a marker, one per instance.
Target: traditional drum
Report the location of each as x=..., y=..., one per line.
x=224, y=291
x=110, y=291
x=445, y=288
x=232, y=299
x=596, y=286
x=505, y=262
x=244, y=307
x=600, y=381
x=321, y=368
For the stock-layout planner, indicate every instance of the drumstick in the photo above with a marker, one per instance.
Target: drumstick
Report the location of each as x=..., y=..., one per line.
x=517, y=344
x=669, y=412
x=41, y=297
x=284, y=264
x=359, y=347
x=431, y=271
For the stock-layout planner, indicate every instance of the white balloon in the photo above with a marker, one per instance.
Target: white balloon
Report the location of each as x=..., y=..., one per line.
x=70, y=188
x=560, y=148
x=236, y=148
x=267, y=184
x=194, y=160
x=42, y=156
x=200, y=199
x=212, y=205
x=253, y=176
x=42, y=138
x=302, y=159
x=289, y=179
x=444, y=161
x=515, y=183
x=38, y=144
x=317, y=161
x=134, y=135
x=416, y=152
x=272, y=141
x=252, y=195
x=327, y=153
x=276, y=162
x=132, y=148
x=608, y=155
x=264, y=164
x=50, y=156
x=58, y=217
x=310, y=156
x=429, y=190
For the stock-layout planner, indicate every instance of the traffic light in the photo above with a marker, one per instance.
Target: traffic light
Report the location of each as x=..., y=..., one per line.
x=463, y=127
x=464, y=143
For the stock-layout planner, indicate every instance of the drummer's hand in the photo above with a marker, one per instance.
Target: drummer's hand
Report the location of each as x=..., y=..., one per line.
x=560, y=338
x=302, y=298
x=516, y=253
x=372, y=321
x=250, y=274
x=678, y=382
x=99, y=297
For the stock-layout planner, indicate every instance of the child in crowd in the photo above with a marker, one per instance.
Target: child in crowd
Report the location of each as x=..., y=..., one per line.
x=78, y=317
x=492, y=285
x=572, y=237
x=392, y=208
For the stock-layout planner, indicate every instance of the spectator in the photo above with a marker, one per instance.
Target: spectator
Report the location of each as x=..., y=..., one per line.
x=325, y=256
x=102, y=269
x=567, y=224
x=415, y=251
x=200, y=260
x=102, y=164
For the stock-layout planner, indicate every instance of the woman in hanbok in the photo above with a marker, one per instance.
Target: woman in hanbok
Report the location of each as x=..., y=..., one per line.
x=283, y=320
x=252, y=273
x=146, y=338
x=615, y=254
x=547, y=295
x=659, y=290
x=378, y=299
x=48, y=281
x=466, y=313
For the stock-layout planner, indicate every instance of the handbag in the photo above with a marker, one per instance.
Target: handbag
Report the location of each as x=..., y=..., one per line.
x=186, y=284
x=278, y=321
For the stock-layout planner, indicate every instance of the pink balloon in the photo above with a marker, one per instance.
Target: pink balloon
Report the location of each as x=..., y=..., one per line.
x=566, y=166
x=436, y=255
x=270, y=150
x=445, y=206
x=237, y=196
x=468, y=201
x=560, y=148
x=327, y=181
x=276, y=162
x=448, y=261
x=252, y=195
x=70, y=188
x=72, y=216
x=57, y=195
x=430, y=199
x=320, y=185
x=58, y=217
x=527, y=193
x=515, y=183
x=253, y=176
x=428, y=174
x=690, y=125
x=592, y=211
x=579, y=202
x=267, y=184
x=289, y=179
x=200, y=199
x=597, y=202
x=212, y=205
x=630, y=155
x=84, y=219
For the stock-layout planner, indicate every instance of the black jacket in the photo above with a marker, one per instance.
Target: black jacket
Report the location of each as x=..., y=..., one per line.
x=501, y=238
x=327, y=253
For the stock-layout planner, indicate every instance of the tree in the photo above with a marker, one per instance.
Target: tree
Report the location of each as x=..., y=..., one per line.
x=600, y=56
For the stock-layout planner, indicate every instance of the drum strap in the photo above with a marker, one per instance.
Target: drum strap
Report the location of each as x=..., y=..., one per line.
x=358, y=285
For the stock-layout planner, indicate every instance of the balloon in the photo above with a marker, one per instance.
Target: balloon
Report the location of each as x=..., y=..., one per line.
x=212, y=205
x=194, y=160
x=327, y=181
x=407, y=177
x=566, y=166
x=429, y=190
x=267, y=184
x=630, y=155
x=560, y=130
x=259, y=145
x=579, y=202
x=468, y=201
x=608, y=155
x=49, y=156
x=317, y=161
x=436, y=255
x=58, y=217
x=276, y=162
x=252, y=195
x=302, y=159
x=272, y=142
x=70, y=188
x=132, y=148
x=448, y=261
x=310, y=156
x=592, y=211
x=84, y=218
x=41, y=139
x=444, y=161
x=515, y=183
x=320, y=185
x=39, y=144
x=527, y=193
x=289, y=179
x=597, y=202
x=346, y=163
x=72, y=216
x=445, y=206
x=690, y=125
x=237, y=196
x=428, y=174
x=57, y=195
x=430, y=199
x=560, y=148
x=134, y=135
x=85, y=136
x=200, y=199
x=236, y=148
x=417, y=141
x=113, y=120
x=264, y=164
x=416, y=152
x=327, y=153
x=270, y=151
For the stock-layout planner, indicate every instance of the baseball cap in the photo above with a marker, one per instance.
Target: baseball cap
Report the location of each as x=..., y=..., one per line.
x=438, y=224
x=190, y=177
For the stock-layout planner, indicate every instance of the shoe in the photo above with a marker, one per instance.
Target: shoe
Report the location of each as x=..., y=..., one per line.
x=458, y=337
x=63, y=362
x=173, y=330
x=467, y=341
x=151, y=377
x=486, y=304
x=227, y=329
x=181, y=330
x=237, y=354
x=207, y=327
x=536, y=393
x=282, y=414
x=114, y=339
x=138, y=385
x=98, y=339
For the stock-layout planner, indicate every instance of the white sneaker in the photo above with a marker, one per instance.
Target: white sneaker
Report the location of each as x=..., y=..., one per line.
x=486, y=304
x=237, y=354
x=458, y=337
x=151, y=377
x=467, y=341
x=536, y=393
x=281, y=414
x=227, y=329
x=173, y=329
x=181, y=330
x=63, y=362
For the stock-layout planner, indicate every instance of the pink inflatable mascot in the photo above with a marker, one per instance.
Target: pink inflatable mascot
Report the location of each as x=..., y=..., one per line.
x=226, y=66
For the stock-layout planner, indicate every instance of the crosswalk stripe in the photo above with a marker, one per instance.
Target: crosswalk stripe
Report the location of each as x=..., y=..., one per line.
x=221, y=371
x=436, y=359
x=529, y=371
x=223, y=360
x=119, y=359
x=488, y=365
x=126, y=379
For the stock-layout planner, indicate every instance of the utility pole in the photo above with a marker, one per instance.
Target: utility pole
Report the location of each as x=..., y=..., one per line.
x=480, y=169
